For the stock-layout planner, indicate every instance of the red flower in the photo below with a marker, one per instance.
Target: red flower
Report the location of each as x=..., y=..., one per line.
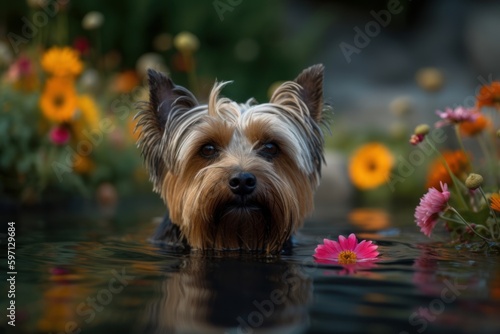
x=59, y=135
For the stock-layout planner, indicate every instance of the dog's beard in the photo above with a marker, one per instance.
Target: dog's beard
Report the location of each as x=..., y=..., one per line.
x=214, y=218
x=243, y=224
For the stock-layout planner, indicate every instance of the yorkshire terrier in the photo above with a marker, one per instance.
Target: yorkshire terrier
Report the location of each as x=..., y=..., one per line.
x=234, y=176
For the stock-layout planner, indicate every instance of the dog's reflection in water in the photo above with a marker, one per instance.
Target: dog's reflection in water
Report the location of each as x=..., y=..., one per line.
x=231, y=295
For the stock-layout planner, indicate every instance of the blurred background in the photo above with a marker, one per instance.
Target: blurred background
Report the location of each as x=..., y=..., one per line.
x=389, y=66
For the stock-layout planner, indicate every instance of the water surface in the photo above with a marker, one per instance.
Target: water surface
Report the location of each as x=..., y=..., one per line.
x=83, y=273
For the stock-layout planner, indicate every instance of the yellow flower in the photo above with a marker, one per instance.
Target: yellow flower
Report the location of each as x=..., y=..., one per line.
x=89, y=111
x=62, y=62
x=370, y=166
x=58, y=101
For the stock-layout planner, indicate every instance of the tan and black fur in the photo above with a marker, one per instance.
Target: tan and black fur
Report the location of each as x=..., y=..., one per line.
x=234, y=176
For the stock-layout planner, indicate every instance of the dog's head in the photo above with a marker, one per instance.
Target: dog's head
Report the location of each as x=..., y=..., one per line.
x=235, y=176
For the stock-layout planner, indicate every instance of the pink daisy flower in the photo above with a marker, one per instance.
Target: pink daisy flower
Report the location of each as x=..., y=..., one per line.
x=457, y=115
x=346, y=251
x=431, y=204
x=59, y=135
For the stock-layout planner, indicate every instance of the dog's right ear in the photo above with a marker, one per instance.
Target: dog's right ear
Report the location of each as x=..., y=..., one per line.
x=165, y=100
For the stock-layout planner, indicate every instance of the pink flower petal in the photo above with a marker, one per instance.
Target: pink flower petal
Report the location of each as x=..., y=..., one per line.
x=429, y=208
x=352, y=241
x=343, y=242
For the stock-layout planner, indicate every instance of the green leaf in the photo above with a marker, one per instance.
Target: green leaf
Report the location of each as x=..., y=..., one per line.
x=479, y=217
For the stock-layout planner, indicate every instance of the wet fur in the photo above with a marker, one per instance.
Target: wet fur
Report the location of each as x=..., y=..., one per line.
x=203, y=210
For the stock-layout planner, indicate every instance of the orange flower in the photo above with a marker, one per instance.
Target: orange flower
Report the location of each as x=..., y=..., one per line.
x=458, y=163
x=132, y=125
x=473, y=128
x=126, y=81
x=59, y=101
x=62, y=62
x=495, y=202
x=489, y=96
x=370, y=166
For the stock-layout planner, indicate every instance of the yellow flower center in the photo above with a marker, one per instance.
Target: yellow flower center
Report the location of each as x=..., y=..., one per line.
x=347, y=257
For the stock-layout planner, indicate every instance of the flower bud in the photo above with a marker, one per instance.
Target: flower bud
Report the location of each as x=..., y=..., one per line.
x=422, y=129
x=474, y=181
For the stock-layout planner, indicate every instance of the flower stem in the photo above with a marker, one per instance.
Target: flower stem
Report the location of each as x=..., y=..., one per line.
x=488, y=156
x=466, y=223
x=461, y=144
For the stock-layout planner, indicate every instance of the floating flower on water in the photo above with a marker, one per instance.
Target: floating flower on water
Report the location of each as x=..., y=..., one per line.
x=186, y=42
x=457, y=115
x=346, y=251
x=92, y=20
x=58, y=101
x=431, y=205
x=495, y=202
x=475, y=127
x=370, y=166
x=456, y=160
x=59, y=135
x=62, y=62
x=489, y=96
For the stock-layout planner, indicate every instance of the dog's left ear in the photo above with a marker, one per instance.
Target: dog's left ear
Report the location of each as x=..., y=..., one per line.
x=311, y=81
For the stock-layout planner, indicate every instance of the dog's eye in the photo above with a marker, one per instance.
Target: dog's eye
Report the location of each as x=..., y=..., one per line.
x=208, y=151
x=269, y=150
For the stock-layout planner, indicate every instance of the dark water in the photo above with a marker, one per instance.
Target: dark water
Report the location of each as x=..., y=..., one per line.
x=88, y=274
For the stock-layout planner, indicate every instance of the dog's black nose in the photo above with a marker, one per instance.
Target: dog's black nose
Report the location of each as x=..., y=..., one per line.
x=242, y=183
